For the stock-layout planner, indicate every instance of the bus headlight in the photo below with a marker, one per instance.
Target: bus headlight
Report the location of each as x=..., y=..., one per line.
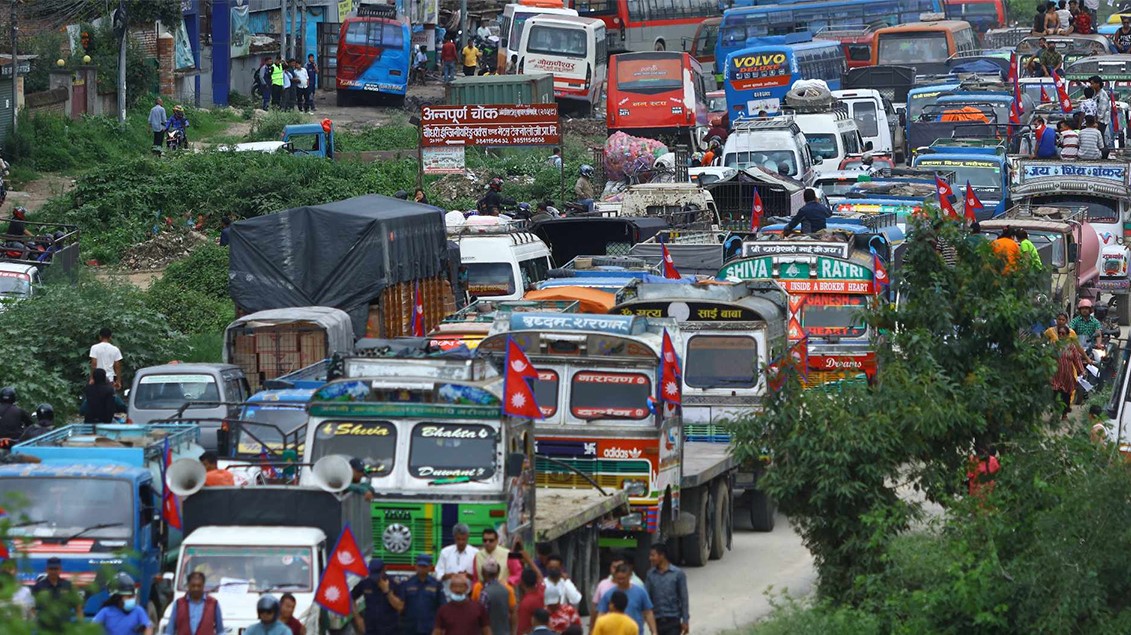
x=634, y=487
x=632, y=522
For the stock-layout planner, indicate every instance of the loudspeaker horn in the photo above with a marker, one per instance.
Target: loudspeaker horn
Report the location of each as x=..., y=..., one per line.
x=185, y=477
x=333, y=473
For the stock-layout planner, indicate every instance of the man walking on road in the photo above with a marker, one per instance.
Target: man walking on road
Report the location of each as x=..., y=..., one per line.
x=615, y=622
x=423, y=596
x=667, y=588
x=457, y=558
x=497, y=598
x=382, y=606
x=448, y=60
x=461, y=616
x=312, y=82
x=557, y=579
x=470, y=58
x=195, y=613
x=108, y=357
x=157, y=118
x=491, y=551
x=639, y=606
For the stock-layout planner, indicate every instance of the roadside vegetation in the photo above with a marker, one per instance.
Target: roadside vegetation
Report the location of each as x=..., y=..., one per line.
x=863, y=472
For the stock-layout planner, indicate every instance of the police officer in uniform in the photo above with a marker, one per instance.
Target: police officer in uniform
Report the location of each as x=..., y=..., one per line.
x=381, y=615
x=422, y=595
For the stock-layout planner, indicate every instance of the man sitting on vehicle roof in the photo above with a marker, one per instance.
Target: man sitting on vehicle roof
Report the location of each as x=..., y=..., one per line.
x=811, y=217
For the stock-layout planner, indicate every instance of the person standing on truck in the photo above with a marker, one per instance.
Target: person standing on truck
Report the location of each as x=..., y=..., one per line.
x=1121, y=39
x=1039, y=19
x=1091, y=141
x=1044, y=140
x=213, y=475
x=55, y=599
x=457, y=558
x=382, y=606
x=121, y=615
x=1103, y=107
x=13, y=419
x=195, y=613
x=359, y=484
x=423, y=595
x=615, y=622
x=639, y=604
x=811, y=217
x=1069, y=140
x=470, y=55
x=108, y=357
x=461, y=616
x=100, y=403
x=667, y=588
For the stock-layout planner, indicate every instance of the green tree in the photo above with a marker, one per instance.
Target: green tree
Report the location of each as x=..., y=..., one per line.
x=959, y=366
x=193, y=293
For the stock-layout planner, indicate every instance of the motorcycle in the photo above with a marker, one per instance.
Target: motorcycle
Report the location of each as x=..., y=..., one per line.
x=175, y=139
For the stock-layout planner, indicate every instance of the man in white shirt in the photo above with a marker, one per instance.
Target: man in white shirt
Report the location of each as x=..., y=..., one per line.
x=457, y=558
x=557, y=579
x=302, y=78
x=108, y=357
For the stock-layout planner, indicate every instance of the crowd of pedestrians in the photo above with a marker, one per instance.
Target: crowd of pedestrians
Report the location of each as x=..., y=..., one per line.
x=288, y=84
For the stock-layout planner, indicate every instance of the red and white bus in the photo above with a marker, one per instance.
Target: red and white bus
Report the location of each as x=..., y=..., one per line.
x=856, y=42
x=658, y=94
x=648, y=25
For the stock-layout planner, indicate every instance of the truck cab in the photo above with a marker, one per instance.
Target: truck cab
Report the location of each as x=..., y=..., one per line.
x=305, y=139
x=18, y=281
x=502, y=261
x=876, y=119
x=986, y=169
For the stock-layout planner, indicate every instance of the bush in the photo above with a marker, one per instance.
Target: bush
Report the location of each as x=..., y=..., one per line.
x=55, y=329
x=193, y=293
x=269, y=127
x=393, y=136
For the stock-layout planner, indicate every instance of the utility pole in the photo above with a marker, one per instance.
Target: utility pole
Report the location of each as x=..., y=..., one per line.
x=294, y=29
x=462, y=23
x=283, y=30
x=15, y=68
x=119, y=22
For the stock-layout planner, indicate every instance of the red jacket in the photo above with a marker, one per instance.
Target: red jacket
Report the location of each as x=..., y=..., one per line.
x=207, y=621
x=448, y=52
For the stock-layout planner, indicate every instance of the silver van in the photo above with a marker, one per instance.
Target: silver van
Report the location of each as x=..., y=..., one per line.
x=159, y=391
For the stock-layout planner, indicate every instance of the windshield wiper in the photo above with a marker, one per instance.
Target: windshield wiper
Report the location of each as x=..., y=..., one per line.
x=28, y=523
x=89, y=529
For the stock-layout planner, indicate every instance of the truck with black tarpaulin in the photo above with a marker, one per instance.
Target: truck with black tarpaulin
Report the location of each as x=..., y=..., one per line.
x=368, y=256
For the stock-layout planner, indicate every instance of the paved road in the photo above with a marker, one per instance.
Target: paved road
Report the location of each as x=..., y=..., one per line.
x=730, y=593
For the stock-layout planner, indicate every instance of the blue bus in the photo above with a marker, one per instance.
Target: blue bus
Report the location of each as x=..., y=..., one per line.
x=374, y=53
x=739, y=25
x=756, y=79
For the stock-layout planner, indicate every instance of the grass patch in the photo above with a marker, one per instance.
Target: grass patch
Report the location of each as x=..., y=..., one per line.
x=20, y=175
x=203, y=348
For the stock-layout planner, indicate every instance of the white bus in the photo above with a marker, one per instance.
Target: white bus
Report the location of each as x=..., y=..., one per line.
x=573, y=49
x=513, y=20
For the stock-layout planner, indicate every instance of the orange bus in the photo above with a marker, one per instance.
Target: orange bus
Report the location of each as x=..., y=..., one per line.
x=658, y=94
x=925, y=45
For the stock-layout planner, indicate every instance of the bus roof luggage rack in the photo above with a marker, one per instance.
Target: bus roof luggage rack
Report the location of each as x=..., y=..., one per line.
x=376, y=10
x=624, y=262
x=751, y=124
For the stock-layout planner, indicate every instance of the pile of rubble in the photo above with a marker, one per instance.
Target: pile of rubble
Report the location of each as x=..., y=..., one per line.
x=161, y=250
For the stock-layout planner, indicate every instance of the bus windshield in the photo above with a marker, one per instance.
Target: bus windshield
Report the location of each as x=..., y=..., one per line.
x=834, y=316
x=913, y=47
x=983, y=176
x=596, y=395
x=565, y=42
x=452, y=449
x=651, y=73
x=374, y=442
x=721, y=361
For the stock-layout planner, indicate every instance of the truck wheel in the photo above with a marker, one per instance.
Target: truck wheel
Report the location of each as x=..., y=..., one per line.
x=761, y=511
x=697, y=546
x=720, y=519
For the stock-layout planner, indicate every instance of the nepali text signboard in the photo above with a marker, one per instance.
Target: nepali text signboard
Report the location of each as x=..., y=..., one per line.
x=832, y=275
x=780, y=247
x=1106, y=171
x=497, y=125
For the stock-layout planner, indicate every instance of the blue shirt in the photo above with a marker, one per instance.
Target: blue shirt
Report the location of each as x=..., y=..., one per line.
x=380, y=616
x=115, y=621
x=638, y=602
x=1046, y=144
x=421, y=601
x=274, y=628
x=195, y=614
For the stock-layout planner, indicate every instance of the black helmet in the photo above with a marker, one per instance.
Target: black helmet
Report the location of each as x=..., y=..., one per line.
x=7, y=394
x=123, y=584
x=496, y=184
x=267, y=604
x=401, y=194
x=44, y=411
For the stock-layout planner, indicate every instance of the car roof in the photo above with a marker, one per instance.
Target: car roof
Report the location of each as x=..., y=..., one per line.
x=187, y=368
x=16, y=267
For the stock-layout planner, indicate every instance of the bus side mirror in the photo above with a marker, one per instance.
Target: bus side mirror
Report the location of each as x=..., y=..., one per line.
x=515, y=461
x=1073, y=252
x=902, y=118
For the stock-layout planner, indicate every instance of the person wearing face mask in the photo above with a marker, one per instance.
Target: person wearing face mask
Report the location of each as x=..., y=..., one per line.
x=269, y=624
x=557, y=579
x=121, y=615
x=461, y=616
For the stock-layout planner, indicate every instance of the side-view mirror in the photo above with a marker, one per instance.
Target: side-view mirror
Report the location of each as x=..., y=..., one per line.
x=514, y=464
x=868, y=145
x=902, y=118
x=1073, y=252
x=289, y=147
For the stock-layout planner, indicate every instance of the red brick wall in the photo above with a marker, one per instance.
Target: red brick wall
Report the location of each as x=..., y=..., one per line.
x=147, y=39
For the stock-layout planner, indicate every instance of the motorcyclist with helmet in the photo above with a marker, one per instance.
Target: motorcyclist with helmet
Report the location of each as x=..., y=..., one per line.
x=178, y=122
x=13, y=419
x=1085, y=324
x=44, y=422
x=493, y=197
x=17, y=227
x=121, y=615
x=583, y=188
x=268, y=611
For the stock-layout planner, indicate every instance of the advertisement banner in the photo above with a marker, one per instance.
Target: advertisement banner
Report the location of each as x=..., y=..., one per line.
x=241, y=33
x=761, y=70
x=345, y=7
x=494, y=125
x=443, y=160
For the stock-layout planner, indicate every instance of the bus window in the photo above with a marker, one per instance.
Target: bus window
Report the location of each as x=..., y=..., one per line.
x=554, y=41
x=913, y=47
x=650, y=75
x=705, y=39
x=377, y=34
x=591, y=8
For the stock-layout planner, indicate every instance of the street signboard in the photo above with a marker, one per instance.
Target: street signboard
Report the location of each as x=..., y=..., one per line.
x=490, y=125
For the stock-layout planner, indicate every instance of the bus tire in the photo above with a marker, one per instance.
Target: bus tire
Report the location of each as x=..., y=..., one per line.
x=720, y=518
x=697, y=546
x=762, y=511
x=343, y=98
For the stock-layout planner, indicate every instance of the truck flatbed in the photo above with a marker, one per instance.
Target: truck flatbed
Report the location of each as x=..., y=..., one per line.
x=560, y=511
x=702, y=462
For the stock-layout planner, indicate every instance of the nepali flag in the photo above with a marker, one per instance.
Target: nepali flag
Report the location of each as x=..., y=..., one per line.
x=945, y=196
x=1044, y=95
x=333, y=592
x=1015, y=113
x=1013, y=75
x=518, y=396
x=671, y=376
x=881, y=273
x=670, y=272
x=971, y=203
x=170, y=510
x=1061, y=92
x=268, y=469
x=417, y=311
x=4, y=553
x=1115, y=114
x=756, y=212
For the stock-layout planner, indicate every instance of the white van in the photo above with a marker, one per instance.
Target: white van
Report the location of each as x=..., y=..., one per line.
x=502, y=262
x=775, y=144
x=573, y=50
x=513, y=21
x=876, y=118
x=832, y=135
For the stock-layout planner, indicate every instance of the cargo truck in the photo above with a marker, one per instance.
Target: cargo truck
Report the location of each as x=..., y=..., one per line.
x=95, y=502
